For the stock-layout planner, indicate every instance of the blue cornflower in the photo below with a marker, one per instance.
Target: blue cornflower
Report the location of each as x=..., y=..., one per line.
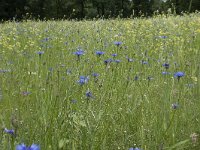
x=46, y=39
x=24, y=147
x=40, y=53
x=162, y=36
x=95, y=74
x=99, y=53
x=9, y=131
x=82, y=80
x=117, y=61
x=108, y=61
x=88, y=94
x=79, y=52
x=134, y=148
x=175, y=106
x=179, y=74
x=166, y=65
x=144, y=62
x=114, y=55
x=117, y=43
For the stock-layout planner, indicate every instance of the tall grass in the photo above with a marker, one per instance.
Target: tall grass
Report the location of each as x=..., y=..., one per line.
x=136, y=101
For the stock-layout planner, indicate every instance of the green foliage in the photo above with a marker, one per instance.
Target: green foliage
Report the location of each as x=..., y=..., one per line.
x=79, y=9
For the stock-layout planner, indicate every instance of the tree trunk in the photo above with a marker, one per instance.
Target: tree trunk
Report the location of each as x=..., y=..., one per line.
x=82, y=9
x=190, y=6
x=41, y=7
x=102, y=9
x=122, y=5
x=98, y=10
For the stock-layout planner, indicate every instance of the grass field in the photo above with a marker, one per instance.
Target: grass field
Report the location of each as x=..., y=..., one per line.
x=101, y=85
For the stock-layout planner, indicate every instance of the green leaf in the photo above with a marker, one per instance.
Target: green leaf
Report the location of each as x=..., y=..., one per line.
x=178, y=144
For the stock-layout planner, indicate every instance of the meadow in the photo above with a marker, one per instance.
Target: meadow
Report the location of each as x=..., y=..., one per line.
x=122, y=84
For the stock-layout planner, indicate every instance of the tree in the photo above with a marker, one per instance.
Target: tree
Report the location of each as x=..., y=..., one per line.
x=183, y=5
x=3, y=10
x=194, y=5
x=141, y=7
x=10, y=9
x=123, y=8
x=57, y=9
x=155, y=5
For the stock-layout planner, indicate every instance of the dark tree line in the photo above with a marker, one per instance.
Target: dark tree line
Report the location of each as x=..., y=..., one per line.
x=69, y=9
